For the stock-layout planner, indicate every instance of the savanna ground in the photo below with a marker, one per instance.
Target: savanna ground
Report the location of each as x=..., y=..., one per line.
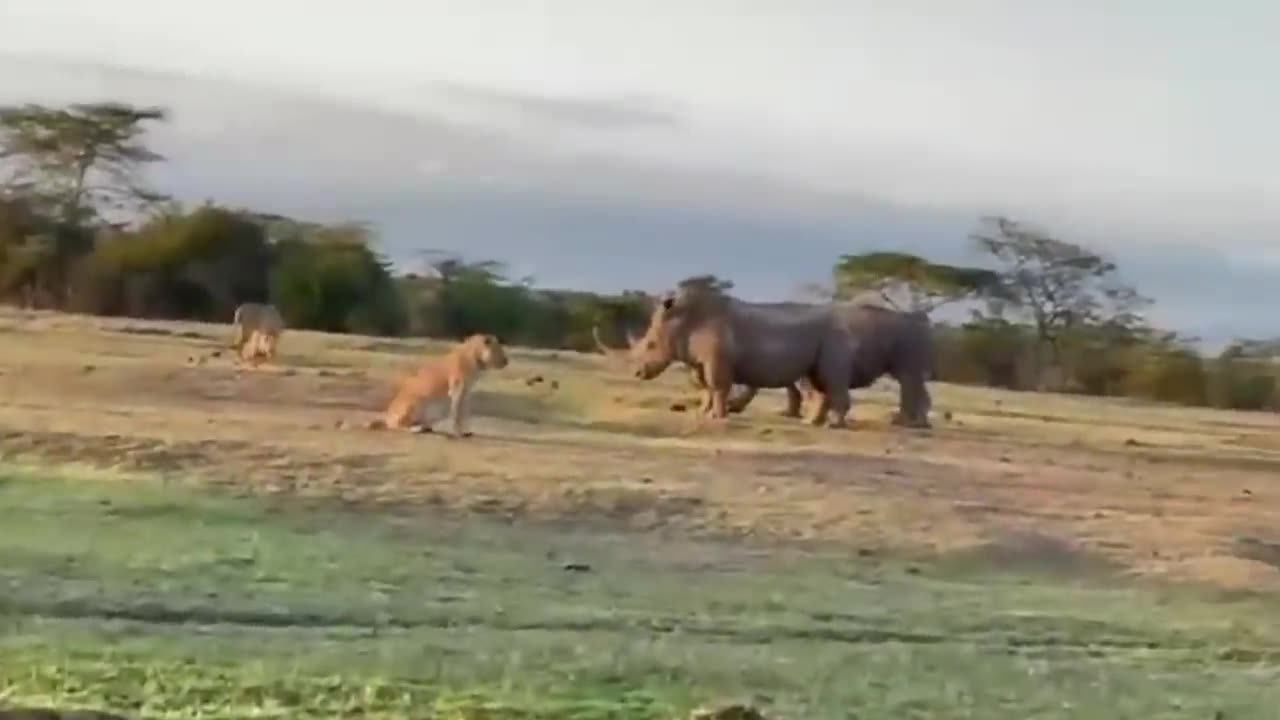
x=182, y=539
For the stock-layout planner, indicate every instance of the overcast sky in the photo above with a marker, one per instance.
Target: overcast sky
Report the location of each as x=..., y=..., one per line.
x=611, y=143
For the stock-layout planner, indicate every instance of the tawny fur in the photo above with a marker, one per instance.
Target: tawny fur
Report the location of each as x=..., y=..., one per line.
x=443, y=386
x=256, y=332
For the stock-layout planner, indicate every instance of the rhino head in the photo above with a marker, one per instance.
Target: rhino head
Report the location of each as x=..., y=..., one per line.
x=650, y=354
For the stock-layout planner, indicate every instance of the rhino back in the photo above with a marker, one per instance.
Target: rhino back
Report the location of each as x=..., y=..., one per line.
x=777, y=343
x=886, y=341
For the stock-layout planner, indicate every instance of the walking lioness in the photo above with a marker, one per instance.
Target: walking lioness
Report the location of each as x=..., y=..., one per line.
x=257, y=329
x=443, y=386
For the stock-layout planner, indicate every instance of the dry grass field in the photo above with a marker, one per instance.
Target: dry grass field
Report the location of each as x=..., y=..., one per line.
x=593, y=553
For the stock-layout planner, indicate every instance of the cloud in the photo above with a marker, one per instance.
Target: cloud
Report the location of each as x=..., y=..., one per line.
x=592, y=114
x=605, y=222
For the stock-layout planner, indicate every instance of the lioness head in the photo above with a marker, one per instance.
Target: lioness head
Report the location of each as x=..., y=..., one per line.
x=488, y=351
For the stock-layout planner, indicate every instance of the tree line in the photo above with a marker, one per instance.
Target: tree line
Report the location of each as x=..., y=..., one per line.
x=80, y=232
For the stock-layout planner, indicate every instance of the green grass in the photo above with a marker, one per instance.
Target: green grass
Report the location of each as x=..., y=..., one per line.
x=152, y=597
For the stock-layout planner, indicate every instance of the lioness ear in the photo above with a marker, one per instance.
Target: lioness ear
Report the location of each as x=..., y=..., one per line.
x=668, y=302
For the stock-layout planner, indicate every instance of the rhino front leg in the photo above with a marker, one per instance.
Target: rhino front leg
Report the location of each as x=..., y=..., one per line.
x=696, y=379
x=719, y=383
x=831, y=382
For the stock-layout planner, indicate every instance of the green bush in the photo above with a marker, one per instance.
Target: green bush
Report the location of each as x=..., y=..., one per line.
x=1176, y=376
x=334, y=282
x=196, y=265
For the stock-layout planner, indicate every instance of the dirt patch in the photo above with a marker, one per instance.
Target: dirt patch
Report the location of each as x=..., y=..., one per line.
x=161, y=332
x=1258, y=550
x=1030, y=552
x=1012, y=491
x=1225, y=571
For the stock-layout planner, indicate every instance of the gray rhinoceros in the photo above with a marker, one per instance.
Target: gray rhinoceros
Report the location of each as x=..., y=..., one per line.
x=739, y=396
x=883, y=342
x=727, y=341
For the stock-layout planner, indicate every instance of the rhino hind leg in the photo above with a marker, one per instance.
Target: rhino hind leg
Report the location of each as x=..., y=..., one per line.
x=838, y=408
x=738, y=401
x=794, y=400
x=830, y=381
x=829, y=407
x=818, y=413
x=913, y=402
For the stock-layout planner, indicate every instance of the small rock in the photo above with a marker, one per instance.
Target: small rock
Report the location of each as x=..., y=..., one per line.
x=679, y=407
x=87, y=369
x=555, y=384
x=576, y=567
x=947, y=416
x=216, y=353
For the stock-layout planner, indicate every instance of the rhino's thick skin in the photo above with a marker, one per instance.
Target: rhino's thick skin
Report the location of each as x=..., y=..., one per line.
x=884, y=342
x=760, y=345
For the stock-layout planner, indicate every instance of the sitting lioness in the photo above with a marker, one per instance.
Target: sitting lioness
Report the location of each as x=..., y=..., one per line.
x=443, y=386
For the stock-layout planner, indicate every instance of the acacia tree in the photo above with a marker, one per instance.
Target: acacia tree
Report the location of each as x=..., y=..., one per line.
x=1058, y=285
x=81, y=160
x=72, y=167
x=705, y=282
x=908, y=282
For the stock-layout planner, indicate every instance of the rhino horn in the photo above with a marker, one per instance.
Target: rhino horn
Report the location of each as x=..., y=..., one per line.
x=595, y=334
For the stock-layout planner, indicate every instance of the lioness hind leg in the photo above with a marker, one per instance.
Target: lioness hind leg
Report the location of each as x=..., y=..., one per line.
x=430, y=413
